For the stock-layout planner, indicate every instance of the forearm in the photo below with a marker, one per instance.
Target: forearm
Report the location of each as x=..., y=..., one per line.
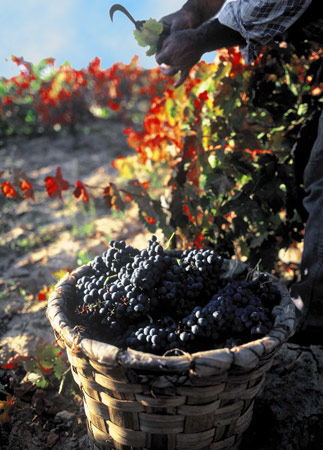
x=204, y=9
x=214, y=35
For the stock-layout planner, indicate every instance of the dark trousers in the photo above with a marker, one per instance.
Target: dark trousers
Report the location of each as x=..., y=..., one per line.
x=310, y=288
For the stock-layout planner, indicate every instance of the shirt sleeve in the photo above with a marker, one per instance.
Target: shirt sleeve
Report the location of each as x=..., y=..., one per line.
x=260, y=21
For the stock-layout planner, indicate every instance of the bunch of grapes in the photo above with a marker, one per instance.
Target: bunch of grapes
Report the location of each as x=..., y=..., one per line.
x=241, y=310
x=157, y=301
x=154, y=337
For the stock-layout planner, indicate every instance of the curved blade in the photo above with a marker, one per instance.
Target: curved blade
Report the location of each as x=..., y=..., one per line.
x=118, y=7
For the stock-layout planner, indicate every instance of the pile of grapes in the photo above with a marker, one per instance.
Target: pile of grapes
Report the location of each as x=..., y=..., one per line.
x=158, y=301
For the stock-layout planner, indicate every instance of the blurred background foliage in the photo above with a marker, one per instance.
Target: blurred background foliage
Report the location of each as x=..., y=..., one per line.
x=212, y=159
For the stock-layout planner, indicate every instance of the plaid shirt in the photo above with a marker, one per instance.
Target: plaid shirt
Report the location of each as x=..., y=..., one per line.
x=260, y=21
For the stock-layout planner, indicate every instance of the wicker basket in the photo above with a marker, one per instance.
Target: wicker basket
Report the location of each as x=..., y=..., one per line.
x=135, y=400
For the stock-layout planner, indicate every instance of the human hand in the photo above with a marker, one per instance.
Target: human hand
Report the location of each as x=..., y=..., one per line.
x=181, y=20
x=180, y=51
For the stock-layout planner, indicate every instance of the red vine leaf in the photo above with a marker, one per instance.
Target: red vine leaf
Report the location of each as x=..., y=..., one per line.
x=56, y=185
x=113, y=105
x=50, y=61
x=43, y=294
x=14, y=361
x=112, y=198
x=27, y=189
x=150, y=220
x=8, y=190
x=187, y=212
x=145, y=185
x=204, y=96
x=198, y=242
x=81, y=191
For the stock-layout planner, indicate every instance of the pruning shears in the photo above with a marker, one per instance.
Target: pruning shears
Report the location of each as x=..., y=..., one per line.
x=139, y=23
x=117, y=7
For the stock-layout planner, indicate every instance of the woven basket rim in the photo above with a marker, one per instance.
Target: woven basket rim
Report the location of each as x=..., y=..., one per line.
x=245, y=356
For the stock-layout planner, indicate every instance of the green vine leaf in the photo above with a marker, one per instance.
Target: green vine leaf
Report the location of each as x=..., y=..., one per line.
x=148, y=35
x=38, y=379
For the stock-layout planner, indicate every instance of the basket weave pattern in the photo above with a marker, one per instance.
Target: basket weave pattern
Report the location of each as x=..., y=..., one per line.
x=136, y=401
